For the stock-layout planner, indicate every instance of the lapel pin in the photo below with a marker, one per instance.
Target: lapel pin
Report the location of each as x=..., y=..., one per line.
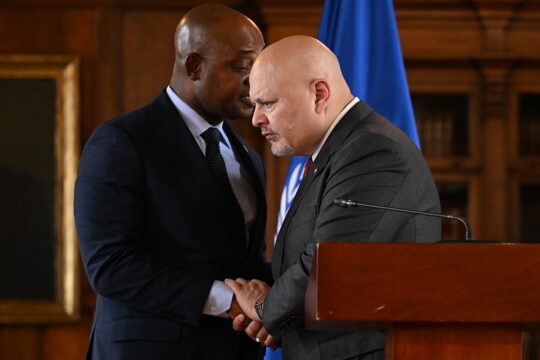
x=245, y=148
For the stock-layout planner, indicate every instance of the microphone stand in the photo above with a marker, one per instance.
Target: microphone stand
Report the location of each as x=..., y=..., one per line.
x=350, y=203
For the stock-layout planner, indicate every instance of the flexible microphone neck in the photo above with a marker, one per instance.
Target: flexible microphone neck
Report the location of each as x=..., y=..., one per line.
x=350, y=204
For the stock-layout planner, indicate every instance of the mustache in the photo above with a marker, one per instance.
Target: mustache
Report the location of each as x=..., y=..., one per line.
x=267, y=131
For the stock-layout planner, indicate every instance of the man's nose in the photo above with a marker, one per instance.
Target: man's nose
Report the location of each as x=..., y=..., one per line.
x=259, y=118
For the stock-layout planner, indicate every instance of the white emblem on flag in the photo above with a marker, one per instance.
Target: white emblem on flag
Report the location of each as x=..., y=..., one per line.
x=289, y=191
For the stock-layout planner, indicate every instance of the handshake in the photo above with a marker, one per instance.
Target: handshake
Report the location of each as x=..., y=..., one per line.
x=245, y=317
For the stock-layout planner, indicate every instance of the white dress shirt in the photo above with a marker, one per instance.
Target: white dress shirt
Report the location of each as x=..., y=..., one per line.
x=220, y=297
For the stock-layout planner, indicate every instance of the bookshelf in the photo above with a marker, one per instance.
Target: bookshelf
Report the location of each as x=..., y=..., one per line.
x=442, y=121
x=529, y=210
x=446, y=107
x=454, y=196
x=529, y=124
x=524, y=162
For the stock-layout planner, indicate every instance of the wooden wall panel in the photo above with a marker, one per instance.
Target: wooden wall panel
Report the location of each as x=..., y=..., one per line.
x=66, y=341
x=522, y=32
x=127, y=53
x=283, y=21
x=20, y=342
x=105, y=84
x=147, y=54
x=53, y=31
x=453, y=33
x=86, y=33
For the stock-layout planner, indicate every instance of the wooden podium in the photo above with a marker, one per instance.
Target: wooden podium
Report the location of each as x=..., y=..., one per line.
x=444, y=301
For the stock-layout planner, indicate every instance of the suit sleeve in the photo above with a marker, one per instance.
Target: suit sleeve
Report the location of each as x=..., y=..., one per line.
x=110, y=208
x=367, y=169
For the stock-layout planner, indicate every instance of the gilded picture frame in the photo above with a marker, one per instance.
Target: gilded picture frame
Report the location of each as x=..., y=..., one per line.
x=39, y=151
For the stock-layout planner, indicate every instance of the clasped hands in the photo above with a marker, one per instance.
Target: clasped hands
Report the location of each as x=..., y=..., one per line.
x=242, y=311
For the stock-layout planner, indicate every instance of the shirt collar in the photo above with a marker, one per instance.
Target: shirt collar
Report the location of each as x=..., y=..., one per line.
x=195, y=122
x=346, y=109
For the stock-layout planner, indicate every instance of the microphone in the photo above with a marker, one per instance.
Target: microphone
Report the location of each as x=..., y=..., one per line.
x=350, y=203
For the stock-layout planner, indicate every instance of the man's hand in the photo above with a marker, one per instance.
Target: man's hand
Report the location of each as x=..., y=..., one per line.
x=235, y=309
x=247, y=293
x=255, y=330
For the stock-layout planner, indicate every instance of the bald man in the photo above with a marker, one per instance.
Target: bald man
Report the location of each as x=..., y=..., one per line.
x=170, y=201
x=304, y=107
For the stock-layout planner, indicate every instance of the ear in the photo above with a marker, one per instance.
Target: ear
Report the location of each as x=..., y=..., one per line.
x=193, y=66
x=321, y=89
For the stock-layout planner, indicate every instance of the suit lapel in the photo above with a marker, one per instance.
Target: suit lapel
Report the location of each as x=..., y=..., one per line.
x=279, y=253
x=345, y=126
x=188, y=155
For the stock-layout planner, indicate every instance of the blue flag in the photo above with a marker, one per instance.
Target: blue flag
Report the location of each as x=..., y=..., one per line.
x=363, y=35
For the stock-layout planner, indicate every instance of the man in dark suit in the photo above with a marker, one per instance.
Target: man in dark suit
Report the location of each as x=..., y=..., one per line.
x=304, y=107
x=170, y=201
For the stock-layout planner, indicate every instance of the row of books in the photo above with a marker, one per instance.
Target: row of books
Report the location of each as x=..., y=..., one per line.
x=529, y=139
x=529, y=210
x=437, y=134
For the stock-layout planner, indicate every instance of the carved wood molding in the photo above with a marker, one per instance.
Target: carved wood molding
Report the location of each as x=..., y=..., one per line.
x=292, y=15
x=495, y=17
x=495, y=74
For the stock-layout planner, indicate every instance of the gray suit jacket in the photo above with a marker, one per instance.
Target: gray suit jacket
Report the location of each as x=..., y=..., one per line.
x=366, y=159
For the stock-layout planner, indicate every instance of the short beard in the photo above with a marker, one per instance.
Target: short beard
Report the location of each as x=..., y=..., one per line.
x=282, y=148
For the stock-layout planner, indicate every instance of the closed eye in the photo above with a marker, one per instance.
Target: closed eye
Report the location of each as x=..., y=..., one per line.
x=242, y=69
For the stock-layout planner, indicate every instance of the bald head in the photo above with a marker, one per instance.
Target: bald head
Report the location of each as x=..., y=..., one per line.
x=215, y=47
x=302, y=77
x=208, y=25
x=299, y=60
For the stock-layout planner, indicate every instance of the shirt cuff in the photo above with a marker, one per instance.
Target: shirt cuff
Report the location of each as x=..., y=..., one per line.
x=219, y=300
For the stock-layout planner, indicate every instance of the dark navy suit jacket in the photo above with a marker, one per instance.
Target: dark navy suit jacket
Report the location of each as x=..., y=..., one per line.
x=155, y=231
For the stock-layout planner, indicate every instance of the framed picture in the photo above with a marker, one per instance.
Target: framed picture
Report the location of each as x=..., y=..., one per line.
x=39, y=150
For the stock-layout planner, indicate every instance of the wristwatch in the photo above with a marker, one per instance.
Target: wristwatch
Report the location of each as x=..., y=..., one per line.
x=259, y=306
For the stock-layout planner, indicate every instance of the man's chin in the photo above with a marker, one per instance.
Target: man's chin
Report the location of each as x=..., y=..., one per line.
x=281, y=150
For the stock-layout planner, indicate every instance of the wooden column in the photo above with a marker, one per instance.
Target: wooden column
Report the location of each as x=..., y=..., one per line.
x=495, y=175
x=495, y=65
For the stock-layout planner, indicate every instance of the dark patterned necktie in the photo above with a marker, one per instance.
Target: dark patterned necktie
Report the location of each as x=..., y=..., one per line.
x=217, y=168
x=213, y=156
